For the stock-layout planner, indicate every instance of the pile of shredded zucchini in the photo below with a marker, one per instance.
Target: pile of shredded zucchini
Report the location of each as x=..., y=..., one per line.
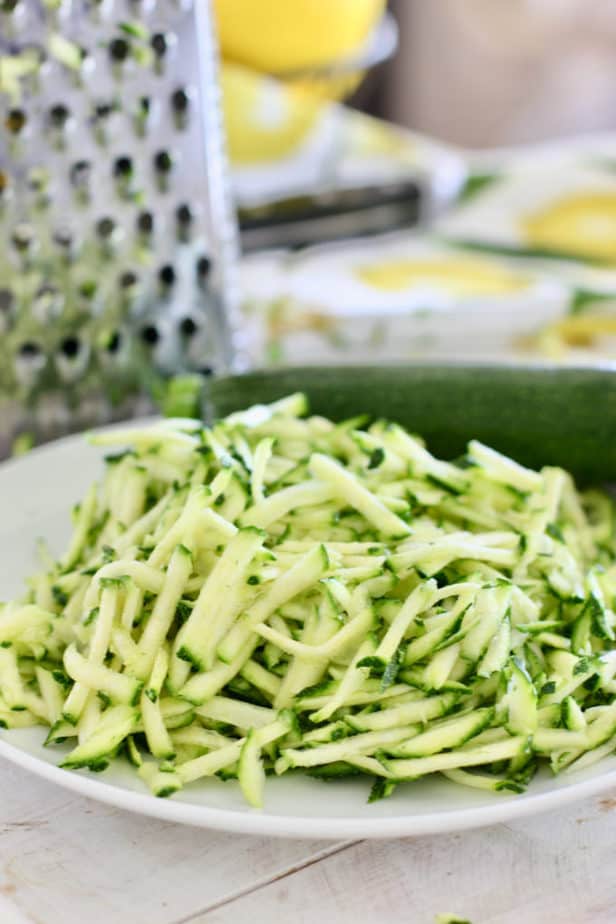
x=283, y=592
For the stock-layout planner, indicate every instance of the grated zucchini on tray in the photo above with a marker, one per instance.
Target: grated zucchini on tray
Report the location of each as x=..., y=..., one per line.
x=281, y=592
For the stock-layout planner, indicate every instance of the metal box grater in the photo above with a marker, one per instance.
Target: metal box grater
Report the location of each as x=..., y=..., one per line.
x=117, y=234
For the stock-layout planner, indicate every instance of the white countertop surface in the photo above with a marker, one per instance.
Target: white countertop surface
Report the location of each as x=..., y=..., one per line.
x=67, y=860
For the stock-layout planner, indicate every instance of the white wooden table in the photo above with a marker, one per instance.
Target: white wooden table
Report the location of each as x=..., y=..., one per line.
x=66, y=860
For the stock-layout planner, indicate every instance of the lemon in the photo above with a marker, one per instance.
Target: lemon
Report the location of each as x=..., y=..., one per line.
x=583, y=225
x=265, y=120
x=457, y=275
x=284, y=35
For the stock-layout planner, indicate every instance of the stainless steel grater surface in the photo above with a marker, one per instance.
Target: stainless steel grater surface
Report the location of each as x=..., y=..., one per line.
x=117, y=240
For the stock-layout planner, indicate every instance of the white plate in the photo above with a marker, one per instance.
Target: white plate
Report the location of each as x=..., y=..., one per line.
x=36, y=493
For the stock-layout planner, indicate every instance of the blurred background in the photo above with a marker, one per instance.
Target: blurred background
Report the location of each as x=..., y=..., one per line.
x=444, y=174
x=380, y=182
x=478, y=73
x=485, y=73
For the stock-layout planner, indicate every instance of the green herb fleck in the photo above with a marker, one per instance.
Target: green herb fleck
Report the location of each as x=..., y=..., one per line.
x=108, y=553
x=114, y=583
x=92, y=615
x=376, y=457
x=183, y=611
x=554, y=530
x=381, y=789
x=134, y=29
x=60, y=596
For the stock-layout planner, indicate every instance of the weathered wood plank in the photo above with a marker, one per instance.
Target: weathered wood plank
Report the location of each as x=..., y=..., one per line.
x=557, y=867
x=67, y=859
x=9, y=913
x=64, y=858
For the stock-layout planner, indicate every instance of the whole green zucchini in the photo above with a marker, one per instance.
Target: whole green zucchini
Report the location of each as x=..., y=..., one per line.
x=540, y=415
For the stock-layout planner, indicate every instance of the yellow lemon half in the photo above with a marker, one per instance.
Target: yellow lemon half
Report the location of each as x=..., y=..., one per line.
x=284, y=35
x=456, y=275
x=583, y=225
x=265, y=120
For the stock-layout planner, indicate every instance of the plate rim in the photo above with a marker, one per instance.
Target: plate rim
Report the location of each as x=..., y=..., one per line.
x=259, y=822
